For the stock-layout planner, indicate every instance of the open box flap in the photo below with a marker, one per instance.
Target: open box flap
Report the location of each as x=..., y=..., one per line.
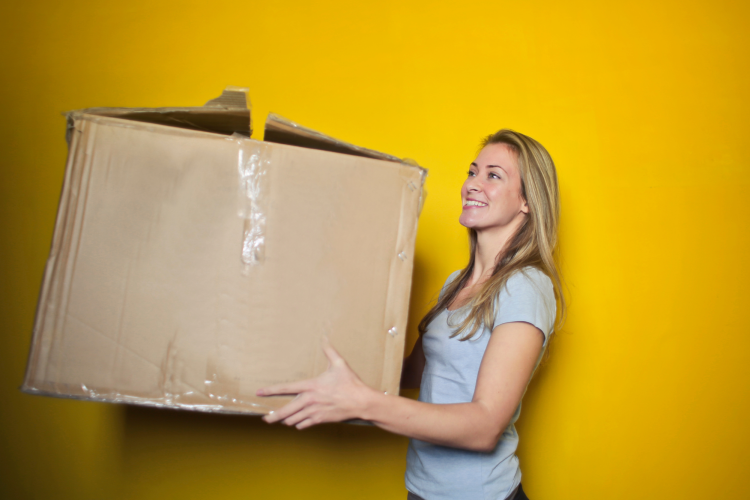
x=284, y=131
x=227, y=114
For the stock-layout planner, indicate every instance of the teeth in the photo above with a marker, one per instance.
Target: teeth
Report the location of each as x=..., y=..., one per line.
x=476, y=203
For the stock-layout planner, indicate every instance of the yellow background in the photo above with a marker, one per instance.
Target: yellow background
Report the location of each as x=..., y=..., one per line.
x=644, y=106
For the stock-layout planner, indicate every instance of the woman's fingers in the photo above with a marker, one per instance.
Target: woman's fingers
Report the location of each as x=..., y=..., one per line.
x=285, y=389
x=287, y=410
x=298, y=417
x=333, y=356
x=322, y=399
x=305, y=424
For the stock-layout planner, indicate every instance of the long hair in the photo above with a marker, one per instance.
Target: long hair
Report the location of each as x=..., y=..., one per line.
x=534, y=244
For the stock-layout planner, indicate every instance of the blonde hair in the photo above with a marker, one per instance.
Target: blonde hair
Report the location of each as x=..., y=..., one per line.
x=533, y=245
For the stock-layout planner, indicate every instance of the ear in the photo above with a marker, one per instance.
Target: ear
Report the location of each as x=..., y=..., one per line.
x=524, y=207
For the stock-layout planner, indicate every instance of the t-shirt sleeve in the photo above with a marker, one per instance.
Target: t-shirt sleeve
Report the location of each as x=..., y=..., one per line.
x=527, y=297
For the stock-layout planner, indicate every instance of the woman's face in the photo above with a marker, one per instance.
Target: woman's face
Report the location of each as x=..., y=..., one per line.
x=491, y=194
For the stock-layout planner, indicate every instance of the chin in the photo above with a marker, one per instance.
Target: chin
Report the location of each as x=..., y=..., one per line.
x=468, y=223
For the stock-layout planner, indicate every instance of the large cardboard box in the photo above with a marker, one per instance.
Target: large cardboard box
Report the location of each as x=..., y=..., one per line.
x=191, y=265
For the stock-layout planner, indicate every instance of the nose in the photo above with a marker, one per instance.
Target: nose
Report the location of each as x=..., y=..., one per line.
x=473, y=184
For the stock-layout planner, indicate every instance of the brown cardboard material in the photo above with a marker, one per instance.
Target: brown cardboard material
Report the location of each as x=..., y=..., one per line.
x=191, y=265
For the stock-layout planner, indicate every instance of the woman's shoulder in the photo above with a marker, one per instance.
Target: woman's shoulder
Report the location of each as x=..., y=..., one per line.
x=529, y=282
x=527, y=296
x=531, y=276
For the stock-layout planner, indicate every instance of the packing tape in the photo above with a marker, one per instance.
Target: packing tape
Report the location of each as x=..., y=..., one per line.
x=253, y=163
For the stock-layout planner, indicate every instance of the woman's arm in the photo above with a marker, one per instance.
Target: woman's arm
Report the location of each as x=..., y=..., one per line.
x=338, y=394
x=411, y=375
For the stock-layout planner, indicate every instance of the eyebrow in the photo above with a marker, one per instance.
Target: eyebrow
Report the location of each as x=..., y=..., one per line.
x=473, y=164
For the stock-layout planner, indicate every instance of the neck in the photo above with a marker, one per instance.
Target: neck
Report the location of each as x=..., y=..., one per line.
x=490, y=243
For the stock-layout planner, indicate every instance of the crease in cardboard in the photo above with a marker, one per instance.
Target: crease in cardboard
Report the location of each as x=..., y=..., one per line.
x=52, y=297
x=78, y=216
x=169, y=368
x=219, y=389
x=121, y=320
x=171, y=380
x=107, y=337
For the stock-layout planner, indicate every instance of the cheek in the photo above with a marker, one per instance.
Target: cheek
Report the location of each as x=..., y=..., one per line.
x=506, y=202
x=497, y=195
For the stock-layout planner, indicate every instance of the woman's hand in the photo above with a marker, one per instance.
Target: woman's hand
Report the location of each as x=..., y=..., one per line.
x=336, y=395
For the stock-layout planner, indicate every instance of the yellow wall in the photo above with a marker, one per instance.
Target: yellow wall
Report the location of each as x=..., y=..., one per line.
x=644, y=106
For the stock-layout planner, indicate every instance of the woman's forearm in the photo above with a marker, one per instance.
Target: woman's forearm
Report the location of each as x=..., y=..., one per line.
x=338, y=394
x=470, y=426
x=506, y=368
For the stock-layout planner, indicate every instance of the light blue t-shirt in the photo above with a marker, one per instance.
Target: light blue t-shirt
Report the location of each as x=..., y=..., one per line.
x=450, y=376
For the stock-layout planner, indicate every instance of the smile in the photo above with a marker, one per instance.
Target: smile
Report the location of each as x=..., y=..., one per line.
x=472, y=203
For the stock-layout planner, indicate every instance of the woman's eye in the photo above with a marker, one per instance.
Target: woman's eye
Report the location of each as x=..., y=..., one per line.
x=470, y=173
x=494, y=176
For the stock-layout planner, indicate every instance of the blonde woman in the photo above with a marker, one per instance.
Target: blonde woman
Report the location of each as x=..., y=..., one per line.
x=479, y=345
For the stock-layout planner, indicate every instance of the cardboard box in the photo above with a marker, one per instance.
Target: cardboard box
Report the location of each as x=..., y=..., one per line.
x=191, y=265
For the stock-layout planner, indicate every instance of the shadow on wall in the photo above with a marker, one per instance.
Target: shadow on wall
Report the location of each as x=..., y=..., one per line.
x=143, y=424
x=422, y=296
x=159, y=444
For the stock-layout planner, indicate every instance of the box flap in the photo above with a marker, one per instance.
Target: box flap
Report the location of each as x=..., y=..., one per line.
x=284, y=131
x=227, y=114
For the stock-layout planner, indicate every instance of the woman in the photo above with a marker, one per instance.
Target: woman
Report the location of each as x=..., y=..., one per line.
x=479, y=345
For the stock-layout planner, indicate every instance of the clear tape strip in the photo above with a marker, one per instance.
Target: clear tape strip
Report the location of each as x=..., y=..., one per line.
x=253, y=164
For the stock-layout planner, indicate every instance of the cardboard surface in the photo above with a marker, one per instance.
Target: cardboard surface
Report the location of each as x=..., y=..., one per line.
x=148, y=297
